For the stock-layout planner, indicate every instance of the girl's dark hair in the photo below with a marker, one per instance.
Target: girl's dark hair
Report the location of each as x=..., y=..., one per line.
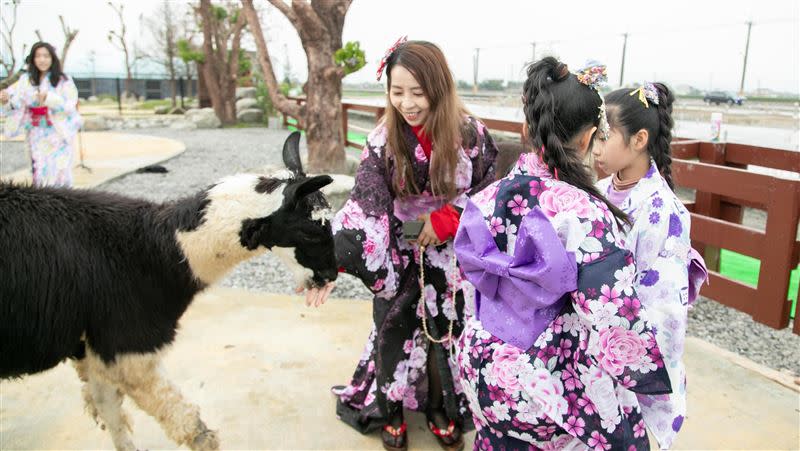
x=557, y=108
x=628, y=114
x=55, y=68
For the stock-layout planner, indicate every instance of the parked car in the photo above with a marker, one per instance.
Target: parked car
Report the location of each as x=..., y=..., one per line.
x=718, y=97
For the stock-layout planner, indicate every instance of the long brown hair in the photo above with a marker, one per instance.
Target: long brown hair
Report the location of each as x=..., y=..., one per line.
x=444, y=125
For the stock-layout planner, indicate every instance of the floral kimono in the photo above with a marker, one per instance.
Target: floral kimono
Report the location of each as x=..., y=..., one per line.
x=669, y=274
x=560, y=343
x=50, y=133
x=392, y=372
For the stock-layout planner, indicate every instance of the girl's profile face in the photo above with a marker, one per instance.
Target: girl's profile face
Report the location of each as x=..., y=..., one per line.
x=615, y=153
x=42, y=59
x=407, y=97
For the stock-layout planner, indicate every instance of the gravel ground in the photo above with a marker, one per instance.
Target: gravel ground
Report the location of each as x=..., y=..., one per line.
x=212, y=154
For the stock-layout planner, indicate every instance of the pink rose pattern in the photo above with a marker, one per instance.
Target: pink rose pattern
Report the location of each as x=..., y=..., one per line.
x=392, y=374
x=567, y=385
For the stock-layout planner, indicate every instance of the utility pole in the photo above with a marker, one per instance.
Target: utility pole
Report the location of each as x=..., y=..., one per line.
x=475, y=70
x=746, y=51
x=622, y=69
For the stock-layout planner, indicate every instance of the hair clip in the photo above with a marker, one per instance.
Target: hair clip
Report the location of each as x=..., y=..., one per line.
x=389, y=52
x=647, y=91
x=593, y=75
x=603, y=127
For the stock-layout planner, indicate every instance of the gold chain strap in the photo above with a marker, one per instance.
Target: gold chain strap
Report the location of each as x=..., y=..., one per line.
x=449, y=336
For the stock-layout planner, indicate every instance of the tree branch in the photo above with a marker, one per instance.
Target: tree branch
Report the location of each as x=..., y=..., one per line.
x=283, y=104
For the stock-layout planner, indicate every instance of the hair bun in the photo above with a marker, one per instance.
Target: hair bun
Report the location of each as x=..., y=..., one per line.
x=560, y=72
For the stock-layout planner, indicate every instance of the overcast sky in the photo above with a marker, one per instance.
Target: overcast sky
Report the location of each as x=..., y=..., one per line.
x=677, y=41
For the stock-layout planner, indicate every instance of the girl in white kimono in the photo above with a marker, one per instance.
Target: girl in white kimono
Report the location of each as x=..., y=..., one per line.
x=668, y=271
x=43, y=105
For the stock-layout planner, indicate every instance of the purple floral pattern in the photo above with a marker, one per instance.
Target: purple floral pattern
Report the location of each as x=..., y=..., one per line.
x=392, y=372
x=667, y=271
x=575, y=387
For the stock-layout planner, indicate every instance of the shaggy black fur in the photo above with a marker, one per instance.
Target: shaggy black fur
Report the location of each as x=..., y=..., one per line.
x=93, y=262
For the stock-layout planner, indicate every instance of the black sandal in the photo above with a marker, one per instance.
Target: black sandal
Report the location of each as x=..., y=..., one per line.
x=395, y=439
x=450, y=438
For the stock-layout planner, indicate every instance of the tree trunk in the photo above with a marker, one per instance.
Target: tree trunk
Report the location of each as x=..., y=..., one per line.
x=319, y=25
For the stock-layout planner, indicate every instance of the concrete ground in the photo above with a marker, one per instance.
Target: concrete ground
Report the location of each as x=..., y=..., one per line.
x=260, y=367
x=109, y=155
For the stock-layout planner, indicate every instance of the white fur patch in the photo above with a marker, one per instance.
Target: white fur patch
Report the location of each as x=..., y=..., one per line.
x=214, y=248
x=323, y=215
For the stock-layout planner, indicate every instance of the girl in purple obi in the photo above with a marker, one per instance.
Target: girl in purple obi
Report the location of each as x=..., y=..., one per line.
x=422, y=162
x=669, y=272
x=559, y=345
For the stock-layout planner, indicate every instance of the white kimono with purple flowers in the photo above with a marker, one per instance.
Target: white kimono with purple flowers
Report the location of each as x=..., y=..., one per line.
x=51, y=145
x=669, y=274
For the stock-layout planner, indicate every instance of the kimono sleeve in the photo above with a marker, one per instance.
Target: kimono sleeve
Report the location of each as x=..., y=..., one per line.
x=14, y=111
x=482, y=153
x=365, y=244
x=621, y=341
x=63, y=99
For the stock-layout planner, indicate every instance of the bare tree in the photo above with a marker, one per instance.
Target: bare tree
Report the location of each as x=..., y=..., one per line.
x=319, y=24
x=69, y=36
x=222, y=35
x=118, y=40
x=162, y=26
x=7, y=59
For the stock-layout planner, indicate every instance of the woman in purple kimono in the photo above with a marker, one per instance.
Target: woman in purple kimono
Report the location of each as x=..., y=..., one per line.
x=422, y=162
x=559, y=344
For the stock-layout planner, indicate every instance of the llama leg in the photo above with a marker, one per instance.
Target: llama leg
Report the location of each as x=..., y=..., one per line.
x=104, y=400
x=141, y=379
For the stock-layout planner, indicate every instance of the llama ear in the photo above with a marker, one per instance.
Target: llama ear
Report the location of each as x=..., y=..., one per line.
x=291, y=154
x=311, y=185
x=255, y=232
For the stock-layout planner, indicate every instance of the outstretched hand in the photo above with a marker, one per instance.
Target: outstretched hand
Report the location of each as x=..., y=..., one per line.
x=316, y=296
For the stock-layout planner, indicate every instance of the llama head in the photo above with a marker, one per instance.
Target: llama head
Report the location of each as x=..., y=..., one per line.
x=246, y=214
x=299, y=231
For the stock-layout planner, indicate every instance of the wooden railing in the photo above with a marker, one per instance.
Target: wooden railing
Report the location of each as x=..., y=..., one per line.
x=717, y=171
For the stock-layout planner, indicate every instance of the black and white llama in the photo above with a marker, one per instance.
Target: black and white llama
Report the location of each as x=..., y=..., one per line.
x=103, y=279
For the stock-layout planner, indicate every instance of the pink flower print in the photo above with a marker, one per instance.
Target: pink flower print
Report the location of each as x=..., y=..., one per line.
x=506, y=367
x=655, y=355
x=484, y=445
x=581, y=301
x=547, y=353
x=496, y=393
x=608, y=294
x=639, y=429
x=571, y=379
x=591, y=292
x=536, y=187
x=587, y=405
x=408, y=346
x=590, y=257
x=519, y=206
x=630, y=308
x=378, y=286
x=565, y=198
x=544, y=431
x=619, y=348
x=598, y=229
x=419, y=153
x=598, y=442
x=564, y=350
x=395, y=257
x=627, y=382
x=488, y=413
x=572, y=404
x=496, y=226
x=369, y=247
x=575, y=426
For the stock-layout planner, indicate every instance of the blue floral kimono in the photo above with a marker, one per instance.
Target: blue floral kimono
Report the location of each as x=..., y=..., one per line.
x=669, y=274
x=49, y=137
x=560, y=344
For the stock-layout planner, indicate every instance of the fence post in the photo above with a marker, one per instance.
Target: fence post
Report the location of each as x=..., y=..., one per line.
x=708, y=204
x=119, y=97
x=783, y=210
x=182, y=91
x=344, y=125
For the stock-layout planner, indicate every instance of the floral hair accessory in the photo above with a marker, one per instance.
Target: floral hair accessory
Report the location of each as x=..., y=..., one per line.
x=603, y=127
x=647, y=91
x=389, y=52
x=593, y=75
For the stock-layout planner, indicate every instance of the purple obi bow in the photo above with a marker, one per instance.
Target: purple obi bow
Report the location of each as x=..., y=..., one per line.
x=517, y=296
